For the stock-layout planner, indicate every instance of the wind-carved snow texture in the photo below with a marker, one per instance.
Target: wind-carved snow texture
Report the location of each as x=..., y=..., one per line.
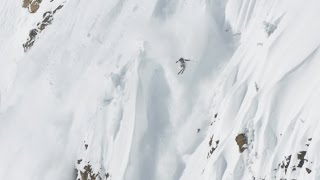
x=94, y=92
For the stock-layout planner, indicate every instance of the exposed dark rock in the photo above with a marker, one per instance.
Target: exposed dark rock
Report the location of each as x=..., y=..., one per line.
x=31, y=5
x=241, y=140
x=300, y=163
x=58, y=8
x=34, y=6
x=308, y=170
x=47, y=20
x=301, y=156
x=212, y=148
x=88, y=173
x=294, y=168
x=26, y=3
x=288, y=160
x=30, y=41
x=210, y=141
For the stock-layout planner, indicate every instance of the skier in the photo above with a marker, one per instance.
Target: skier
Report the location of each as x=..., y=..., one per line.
x=182, y=65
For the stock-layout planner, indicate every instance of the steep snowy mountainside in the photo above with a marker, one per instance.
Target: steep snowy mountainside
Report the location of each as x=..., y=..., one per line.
x=89, y=90
x=266, y=102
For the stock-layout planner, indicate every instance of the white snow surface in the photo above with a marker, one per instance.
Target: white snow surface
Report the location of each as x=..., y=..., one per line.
x=104, y=74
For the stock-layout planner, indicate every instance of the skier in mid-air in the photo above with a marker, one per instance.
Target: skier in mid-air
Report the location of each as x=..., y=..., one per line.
x=182, y=65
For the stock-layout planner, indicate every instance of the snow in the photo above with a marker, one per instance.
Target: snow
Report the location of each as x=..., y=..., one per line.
x=99, y=88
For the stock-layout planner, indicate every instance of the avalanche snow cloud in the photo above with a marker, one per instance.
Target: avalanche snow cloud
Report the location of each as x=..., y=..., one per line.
x=89, y=90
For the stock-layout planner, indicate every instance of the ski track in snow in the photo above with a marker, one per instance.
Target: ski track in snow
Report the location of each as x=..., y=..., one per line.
x=99, y=87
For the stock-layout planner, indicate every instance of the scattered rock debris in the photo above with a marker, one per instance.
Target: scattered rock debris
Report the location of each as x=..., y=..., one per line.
x=90, y=170
x=285, y=164
x=30, y=41
x=211, y=147
x=214, y=120
x=47, y=20
x=107, y=175
x=85, y=171
x=241, y=140
x=308, y=143
x=299, y=159
x=88, y=174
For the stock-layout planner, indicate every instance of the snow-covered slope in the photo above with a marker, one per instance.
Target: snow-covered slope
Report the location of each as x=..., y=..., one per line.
x=89, y=90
